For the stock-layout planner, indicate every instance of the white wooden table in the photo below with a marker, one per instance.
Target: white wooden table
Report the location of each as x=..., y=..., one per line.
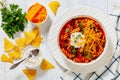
x=106, y=6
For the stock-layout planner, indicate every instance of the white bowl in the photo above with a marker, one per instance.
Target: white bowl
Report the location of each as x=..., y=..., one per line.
x=32, y=62
x=86, y=67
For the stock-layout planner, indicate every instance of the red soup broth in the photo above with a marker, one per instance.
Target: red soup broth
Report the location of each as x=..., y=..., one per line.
x=94, y=36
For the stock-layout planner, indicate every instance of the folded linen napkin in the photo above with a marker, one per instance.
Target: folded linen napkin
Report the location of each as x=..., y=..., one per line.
x=108, y=72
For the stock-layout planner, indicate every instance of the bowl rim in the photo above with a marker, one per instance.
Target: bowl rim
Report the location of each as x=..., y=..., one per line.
x=106, y=37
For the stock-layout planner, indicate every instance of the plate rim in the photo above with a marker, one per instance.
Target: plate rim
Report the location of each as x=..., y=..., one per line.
x=72, y=10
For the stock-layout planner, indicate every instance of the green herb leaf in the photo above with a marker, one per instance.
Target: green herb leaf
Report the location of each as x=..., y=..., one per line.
x=79, y=36
x=1, y=3
x=13, y=19
x=80, y=24
x=74, y=51
x=13, y=7
x=88, y=55
x=67, y=30
x=75, y=41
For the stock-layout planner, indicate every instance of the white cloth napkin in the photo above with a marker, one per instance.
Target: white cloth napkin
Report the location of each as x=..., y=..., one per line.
x=108, y=72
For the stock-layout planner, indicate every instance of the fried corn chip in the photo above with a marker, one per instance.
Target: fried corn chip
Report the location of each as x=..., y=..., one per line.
x=16, y=54
x=31, y=35
x=20, y=42
x=11, y=55
x=34, y=32
x=37, y=41
x=28, y=38
x=30, y=73
x=8, y=45
x=5, y=58
x=54, y=6
x=46, y=65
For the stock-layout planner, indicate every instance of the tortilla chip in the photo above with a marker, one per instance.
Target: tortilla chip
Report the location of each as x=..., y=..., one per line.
x=54, y=6
x=20, y=42
x=34, y=32
x=28, y=38
x=37, y=41
x=16, y=54
x=30, y=73
x=46, y=65
x=5, y=58
x=8, y=45
x=31, y=35
x=11, y=55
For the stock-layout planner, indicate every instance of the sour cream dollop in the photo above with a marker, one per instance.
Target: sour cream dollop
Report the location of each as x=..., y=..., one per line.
x=77, y=39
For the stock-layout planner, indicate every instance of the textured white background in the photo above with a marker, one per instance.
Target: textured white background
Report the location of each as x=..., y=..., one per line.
x=5, y=74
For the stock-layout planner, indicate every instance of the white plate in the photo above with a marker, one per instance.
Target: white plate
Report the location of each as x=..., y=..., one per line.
x=107, y=21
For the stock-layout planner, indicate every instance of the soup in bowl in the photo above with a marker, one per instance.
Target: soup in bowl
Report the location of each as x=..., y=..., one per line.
x=82, y=39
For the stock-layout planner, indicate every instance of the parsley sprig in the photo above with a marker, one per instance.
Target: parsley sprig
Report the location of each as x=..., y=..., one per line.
x=13, y=19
